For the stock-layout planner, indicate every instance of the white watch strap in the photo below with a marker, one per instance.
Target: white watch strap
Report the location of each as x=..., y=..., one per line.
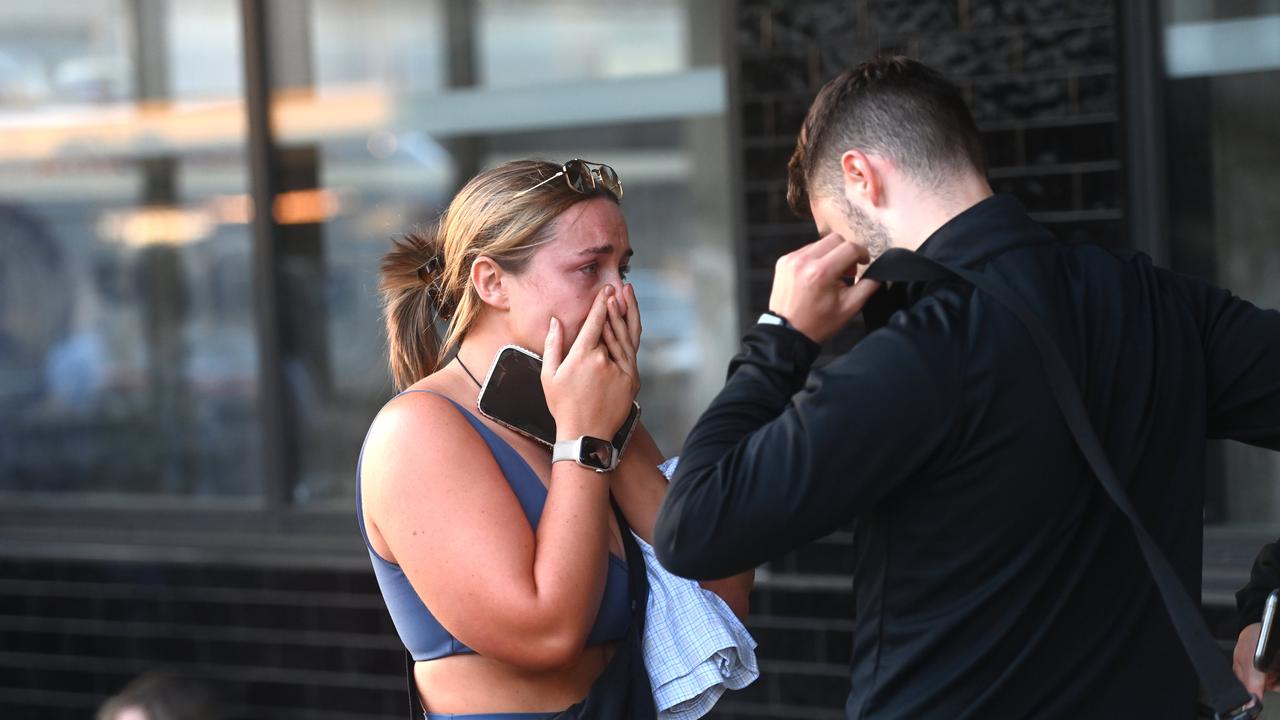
x=575, y=449
x=566, y=450
x=768, y=318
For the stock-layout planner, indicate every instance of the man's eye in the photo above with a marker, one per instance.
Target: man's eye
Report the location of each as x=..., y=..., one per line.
x=624, y=271
x=590, y=269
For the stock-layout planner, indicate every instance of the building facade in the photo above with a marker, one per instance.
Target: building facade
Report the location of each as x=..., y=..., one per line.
x=185, y=382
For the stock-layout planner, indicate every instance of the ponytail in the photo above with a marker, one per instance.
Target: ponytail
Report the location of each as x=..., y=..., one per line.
x=411, y=282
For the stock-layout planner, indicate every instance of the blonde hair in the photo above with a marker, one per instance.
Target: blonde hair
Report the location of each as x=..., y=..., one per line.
x=425, y=279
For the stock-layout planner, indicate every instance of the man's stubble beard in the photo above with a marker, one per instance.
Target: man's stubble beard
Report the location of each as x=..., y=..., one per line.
x=871, y=234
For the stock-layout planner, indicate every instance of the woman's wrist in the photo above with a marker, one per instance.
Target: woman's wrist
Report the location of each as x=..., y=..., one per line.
x=573, y=430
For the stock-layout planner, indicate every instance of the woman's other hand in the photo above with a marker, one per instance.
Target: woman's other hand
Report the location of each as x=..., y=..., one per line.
x=621, y=331
x=588, y=390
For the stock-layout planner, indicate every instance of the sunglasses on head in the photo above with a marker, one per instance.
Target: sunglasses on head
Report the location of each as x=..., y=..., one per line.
x=585, y=177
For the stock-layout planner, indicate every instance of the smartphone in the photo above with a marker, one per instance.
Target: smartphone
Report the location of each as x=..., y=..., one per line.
x=512, y=397
x=1265, y=655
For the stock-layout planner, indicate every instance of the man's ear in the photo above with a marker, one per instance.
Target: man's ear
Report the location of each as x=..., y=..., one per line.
x=863, y=178
x=489, y=280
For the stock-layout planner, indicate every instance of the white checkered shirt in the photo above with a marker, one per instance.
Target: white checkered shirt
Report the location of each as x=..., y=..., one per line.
x=694, y=646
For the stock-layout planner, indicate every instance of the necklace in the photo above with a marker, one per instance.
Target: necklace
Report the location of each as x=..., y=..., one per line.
x=467, y=371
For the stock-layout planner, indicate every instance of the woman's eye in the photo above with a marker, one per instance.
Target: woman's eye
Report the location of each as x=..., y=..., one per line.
x=594, y=269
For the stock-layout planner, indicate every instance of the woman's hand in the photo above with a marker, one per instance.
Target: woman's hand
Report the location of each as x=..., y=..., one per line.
x=590, y=389
x=622, y=331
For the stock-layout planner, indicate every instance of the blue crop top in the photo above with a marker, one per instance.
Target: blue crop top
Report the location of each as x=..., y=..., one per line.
x=421, y=633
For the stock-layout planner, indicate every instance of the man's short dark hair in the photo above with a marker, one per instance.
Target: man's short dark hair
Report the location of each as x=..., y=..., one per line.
x=891, y=106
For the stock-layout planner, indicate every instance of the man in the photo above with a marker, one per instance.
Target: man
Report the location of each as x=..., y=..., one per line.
x=994, y=577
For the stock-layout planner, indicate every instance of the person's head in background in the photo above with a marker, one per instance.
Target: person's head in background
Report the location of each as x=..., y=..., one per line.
x=520, y=243
x=160, y=695
x=888, y=152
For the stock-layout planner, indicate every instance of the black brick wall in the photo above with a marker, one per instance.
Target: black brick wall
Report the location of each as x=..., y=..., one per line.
x=1042, y=79
x=275, y=643
x=1040, y=76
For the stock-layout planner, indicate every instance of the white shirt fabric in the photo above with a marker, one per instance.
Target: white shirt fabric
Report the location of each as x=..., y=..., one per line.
x=695, y=648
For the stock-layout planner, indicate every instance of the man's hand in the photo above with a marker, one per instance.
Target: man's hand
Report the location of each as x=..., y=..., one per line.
x=810, y=288
x=1254, y=680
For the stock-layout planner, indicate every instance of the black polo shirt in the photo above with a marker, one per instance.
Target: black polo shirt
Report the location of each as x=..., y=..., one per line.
x=994, y=578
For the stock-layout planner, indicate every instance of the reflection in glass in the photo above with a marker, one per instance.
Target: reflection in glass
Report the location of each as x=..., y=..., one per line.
x=391, y=177
x=344, y=69
x=127, y=355
x=396, y=46
x=579, y=40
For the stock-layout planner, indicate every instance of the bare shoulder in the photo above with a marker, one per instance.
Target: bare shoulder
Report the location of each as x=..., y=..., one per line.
x=421, y=454
x=406, y=417
x=415, y=421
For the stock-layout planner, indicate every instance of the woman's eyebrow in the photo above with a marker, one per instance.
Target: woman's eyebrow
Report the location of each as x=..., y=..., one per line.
x=604, y=250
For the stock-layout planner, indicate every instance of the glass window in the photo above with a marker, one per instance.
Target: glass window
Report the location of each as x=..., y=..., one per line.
x=396, y=46
x=128, y=361
x=1223, y=68
x=530, y=43
x=426, y=123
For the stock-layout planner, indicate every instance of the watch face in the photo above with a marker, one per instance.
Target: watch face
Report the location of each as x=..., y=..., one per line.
x=596, y=453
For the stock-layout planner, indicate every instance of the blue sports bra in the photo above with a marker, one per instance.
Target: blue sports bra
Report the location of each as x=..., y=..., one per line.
x=421, y=633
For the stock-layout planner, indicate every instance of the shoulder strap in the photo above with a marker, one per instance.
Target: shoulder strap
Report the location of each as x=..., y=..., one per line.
x=416, y=710
x=637, y=572
x=1227, y=696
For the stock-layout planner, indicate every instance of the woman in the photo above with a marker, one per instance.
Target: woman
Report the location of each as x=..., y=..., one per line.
x=503, y=571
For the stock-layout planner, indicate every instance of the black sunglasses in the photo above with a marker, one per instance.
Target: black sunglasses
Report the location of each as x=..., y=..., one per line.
x=582, y=177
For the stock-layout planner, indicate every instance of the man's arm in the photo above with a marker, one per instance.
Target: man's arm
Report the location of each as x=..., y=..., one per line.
x=776, y=462
x=1242, y=374
x=1242, y=362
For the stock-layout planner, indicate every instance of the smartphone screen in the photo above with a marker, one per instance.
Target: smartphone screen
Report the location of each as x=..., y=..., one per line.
x=512, y=395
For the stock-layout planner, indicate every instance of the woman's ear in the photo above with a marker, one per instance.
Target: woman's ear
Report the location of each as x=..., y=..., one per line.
x=489, y=281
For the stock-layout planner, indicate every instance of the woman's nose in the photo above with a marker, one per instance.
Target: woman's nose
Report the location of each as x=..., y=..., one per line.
x=617, y=283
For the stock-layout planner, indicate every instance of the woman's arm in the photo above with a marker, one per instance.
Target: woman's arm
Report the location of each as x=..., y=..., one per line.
x=639, y=487
x=437, y=503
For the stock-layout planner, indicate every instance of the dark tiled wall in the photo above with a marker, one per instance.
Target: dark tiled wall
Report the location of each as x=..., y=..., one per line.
x=274, y=643
x=1041, y=77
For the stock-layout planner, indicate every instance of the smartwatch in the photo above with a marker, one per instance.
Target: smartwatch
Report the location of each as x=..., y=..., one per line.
x=589, y=452
x=772, y=318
